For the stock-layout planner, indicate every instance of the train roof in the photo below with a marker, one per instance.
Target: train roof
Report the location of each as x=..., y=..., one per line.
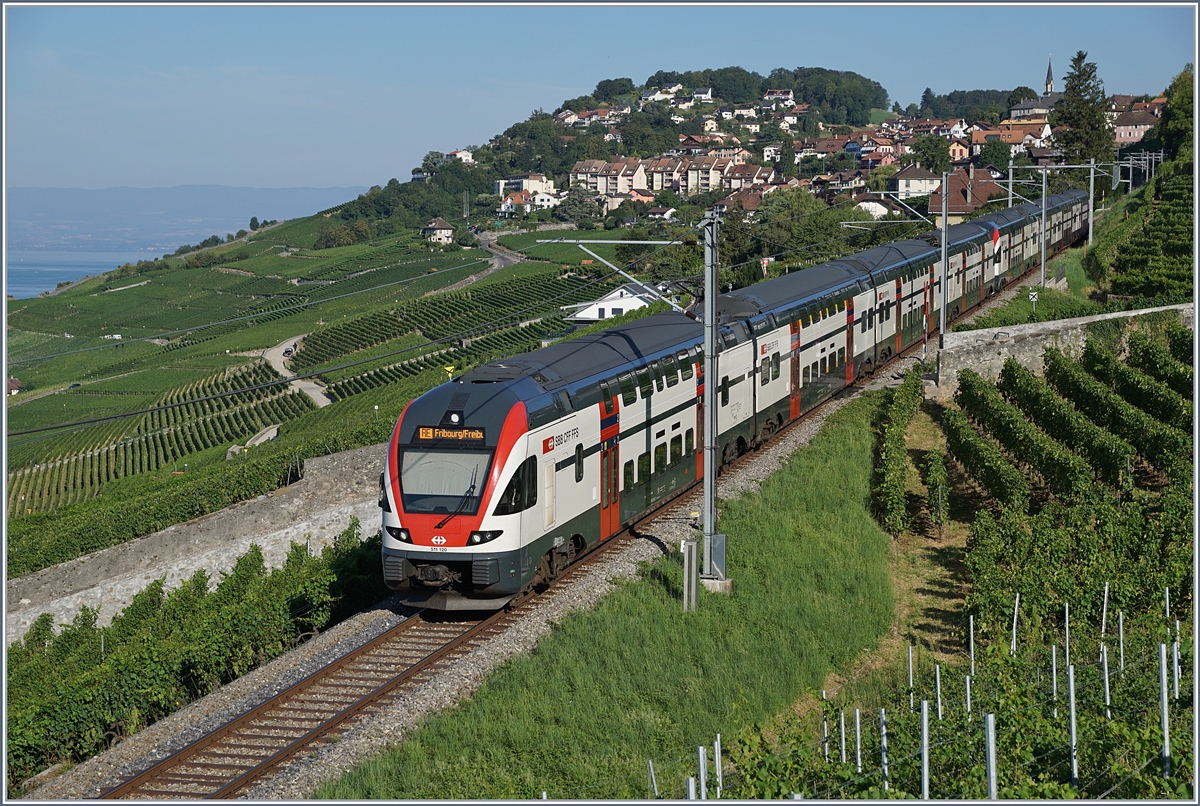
x=571, y=361
x=769, y=294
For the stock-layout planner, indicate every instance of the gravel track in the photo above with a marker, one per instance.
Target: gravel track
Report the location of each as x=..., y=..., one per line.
x=371, y=735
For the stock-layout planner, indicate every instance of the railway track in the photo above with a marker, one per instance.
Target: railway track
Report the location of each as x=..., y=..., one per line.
x=316, y=710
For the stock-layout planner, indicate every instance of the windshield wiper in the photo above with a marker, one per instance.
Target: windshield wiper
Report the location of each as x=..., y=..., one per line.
x=462, y=502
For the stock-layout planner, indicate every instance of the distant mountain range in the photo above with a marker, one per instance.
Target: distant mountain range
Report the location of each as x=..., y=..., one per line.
x=160, y=219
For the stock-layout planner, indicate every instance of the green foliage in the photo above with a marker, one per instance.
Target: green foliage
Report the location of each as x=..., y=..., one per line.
x=1154, y=258
x=1165, y=447
x=1083, y=109
x=1175, y=128
x=984, y=462
x=68, y=701
x=1064, y=473
x=937, y=483
x=995, y=153
x=888, y=493
x=1181, y=342
x=610, y=88
x=932, y=152
x=1109, y=455
x=1021, y=93
x=1142, y=390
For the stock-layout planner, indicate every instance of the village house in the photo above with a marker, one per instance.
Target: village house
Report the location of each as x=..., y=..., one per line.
x=746, y=174
x=629, y=297
x=438, y=231
x=702, y=94
x=566, y=118
x=532, y=182
x=968, y=191
x=1131, y=126
x=661, y=213
x=465, y=156
x=1037, y=107
x=876, y=158
x=748, y=198
x=14, y=386
x=664, y=173
x=913, y=180
x=704, y=174
x=960, y=150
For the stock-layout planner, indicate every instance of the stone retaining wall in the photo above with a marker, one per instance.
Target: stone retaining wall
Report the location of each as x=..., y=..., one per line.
x=985, y=351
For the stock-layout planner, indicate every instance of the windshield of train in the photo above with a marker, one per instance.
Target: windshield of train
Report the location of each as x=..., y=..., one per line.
x=443, y=482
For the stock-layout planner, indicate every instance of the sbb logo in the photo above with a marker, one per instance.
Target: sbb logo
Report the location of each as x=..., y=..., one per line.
x=438, y=540
x=547, y=444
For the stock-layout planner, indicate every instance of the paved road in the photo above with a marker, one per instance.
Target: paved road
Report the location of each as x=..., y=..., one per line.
x=274, y=356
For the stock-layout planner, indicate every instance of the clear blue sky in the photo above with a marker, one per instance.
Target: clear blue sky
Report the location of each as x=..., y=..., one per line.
x=275, y=96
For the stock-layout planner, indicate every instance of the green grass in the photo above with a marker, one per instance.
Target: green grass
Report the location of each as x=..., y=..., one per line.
x=637, y=679
x=569, y=254
x=880, y=115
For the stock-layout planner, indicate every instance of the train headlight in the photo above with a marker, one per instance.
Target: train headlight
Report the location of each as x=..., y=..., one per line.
x=484, y=537
x=400, y=534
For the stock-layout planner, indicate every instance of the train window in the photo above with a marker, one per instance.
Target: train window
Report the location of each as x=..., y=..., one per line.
x=685, y=364
x=628, y=391
x=579, y=463
x=660, y=457
x=814, y=370
x=863, y=321
x=606, y=391
x=629, y=474
x=689, y=441
x=656, y=371
x=605, y=459
x=725, y=391
x=804, y=379
x=643, y=469
x=841, y=356
x=824, y=364
x=521, y=492
x=676, y=449
x=764, y=372
x=644, y=382
x=775, y=366
x=671, y=370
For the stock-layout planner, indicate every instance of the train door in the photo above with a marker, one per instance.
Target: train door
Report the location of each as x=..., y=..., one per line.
x=794, y=386
x=610, y=459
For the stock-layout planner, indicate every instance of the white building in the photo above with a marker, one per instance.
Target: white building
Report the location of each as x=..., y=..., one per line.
x=628, y=297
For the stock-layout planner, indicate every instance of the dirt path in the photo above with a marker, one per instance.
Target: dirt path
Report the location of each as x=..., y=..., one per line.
x=274, y=356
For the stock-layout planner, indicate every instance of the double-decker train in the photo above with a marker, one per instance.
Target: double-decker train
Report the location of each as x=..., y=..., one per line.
x=501, y=477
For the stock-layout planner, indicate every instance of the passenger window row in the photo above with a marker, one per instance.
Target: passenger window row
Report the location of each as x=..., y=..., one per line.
x=666, y=454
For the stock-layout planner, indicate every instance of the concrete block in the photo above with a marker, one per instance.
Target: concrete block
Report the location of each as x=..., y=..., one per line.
x=724, y=586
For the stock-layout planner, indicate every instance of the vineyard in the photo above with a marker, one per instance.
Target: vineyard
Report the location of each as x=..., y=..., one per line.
x=160, y=439
x=459, y=313
x=83, y=690
x=1079, y=575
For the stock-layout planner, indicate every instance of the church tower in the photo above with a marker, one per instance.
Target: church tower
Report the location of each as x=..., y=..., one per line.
x=1049, y=78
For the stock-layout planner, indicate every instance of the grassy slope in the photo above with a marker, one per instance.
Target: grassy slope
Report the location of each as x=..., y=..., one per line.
x=636, y=679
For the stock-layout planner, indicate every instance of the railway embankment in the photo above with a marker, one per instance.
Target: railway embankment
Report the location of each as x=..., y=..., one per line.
x=313, y=510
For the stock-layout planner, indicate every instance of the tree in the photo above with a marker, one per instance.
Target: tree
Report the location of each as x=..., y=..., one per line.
x=1083, y=108
x=1176, y=125
x=787, y=157
x=896, y=108
x=932, y=152
x=253, y=223
x=610, y=88
x=433, y=160
x=577, y=206
x=1021, y=93
x=877, y=180
x=995, y=153
x=911, y=110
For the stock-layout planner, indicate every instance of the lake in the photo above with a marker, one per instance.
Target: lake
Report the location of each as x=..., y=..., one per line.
x=29, y=273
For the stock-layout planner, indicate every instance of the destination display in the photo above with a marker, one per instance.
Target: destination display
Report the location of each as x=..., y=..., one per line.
x=438, y=433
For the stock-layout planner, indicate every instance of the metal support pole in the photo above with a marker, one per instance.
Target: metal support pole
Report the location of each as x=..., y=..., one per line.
x=691, y=582
x=1010, y=180
x=824, y=728
x=653, y=781
x=1104, y=612
x=1167, y=603
x=702, y=764
x=1162, y=699
x=1012, y=649
x=1073, y=734
x=1043, y=228
x=691, y=788
x=968, y=698
x=883, y=742
x=971, y=621
x=1091, y=203
x=857, y=740
x=989, y=731
x=1054, y=676
x=924, y=749
x=1104, y=666
x=710, y=390
x=1175, y=667
x=910, y=680
x=937, y=676
x=842, y=732
x=945, y=257
x=717, y=765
